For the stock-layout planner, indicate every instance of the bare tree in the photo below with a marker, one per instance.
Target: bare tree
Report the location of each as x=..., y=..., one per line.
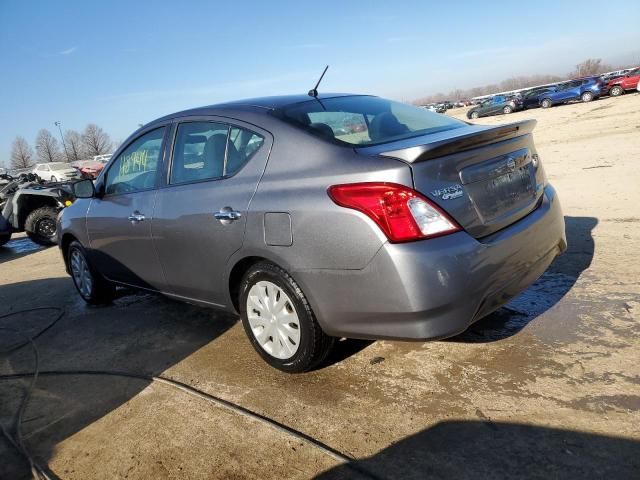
x=591, y=66
x=512, y=83
x=21, y=153
x=47, y=148
x=95, y=141
x=73, y=141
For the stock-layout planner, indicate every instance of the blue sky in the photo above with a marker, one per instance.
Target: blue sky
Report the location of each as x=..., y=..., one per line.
x=122, y=63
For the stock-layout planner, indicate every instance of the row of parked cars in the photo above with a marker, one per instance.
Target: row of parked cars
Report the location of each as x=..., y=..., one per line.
x=446, y=105
x=65, y=171
x=580, y=89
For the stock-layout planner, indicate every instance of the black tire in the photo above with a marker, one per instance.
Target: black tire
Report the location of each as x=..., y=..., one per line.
x=507, y=109
x=4, y=238
x=101, y=291
x=474, y=115
x=546, y=103
x=40, y=226
x=314, y=344
x=586, y=97
x=616, y=91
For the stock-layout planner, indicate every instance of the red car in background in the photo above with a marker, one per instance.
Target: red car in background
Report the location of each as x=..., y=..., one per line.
x=619, y=85
x=91, y=168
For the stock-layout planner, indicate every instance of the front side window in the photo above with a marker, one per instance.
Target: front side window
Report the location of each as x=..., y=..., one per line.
x=364, y=120
x=135, y=169
x=209, y=150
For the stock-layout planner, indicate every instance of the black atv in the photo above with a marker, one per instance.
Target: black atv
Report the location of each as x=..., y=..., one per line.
x=29, y=204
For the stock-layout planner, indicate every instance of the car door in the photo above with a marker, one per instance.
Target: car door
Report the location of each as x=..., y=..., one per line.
x=630, y=80
x=484, y=107
x=202, y=209
x=570, y=91
x=497, y=105
x=119, y=219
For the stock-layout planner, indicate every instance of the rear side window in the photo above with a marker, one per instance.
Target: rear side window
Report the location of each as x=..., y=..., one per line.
x=363, y=120
x=135, y=169
x=210, y=150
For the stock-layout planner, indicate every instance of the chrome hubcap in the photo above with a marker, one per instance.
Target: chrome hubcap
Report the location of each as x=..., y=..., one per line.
x=81, y=274
x=273, y=320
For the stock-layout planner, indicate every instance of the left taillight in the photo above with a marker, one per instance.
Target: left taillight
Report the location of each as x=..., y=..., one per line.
x=403, y=214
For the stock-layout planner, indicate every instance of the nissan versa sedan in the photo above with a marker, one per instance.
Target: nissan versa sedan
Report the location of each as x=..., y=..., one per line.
x=412, y=227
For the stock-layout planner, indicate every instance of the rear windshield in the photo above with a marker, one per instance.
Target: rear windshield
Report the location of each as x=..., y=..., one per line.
x=60, y=166
x=363, y=120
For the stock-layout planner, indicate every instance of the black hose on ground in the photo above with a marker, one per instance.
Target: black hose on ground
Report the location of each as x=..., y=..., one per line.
x=38, y=473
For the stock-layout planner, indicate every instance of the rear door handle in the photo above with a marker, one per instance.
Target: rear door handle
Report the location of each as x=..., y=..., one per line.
x=227, y=215
x=136, y=217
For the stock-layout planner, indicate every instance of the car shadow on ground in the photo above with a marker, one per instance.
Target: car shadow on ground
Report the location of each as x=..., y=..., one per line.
x=138, y=333
x=18, y=247
x=475, y=450
x=546, y=292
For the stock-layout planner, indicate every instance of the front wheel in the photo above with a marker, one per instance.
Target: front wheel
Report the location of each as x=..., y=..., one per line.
x=279, y=321
x=40, y=226
x=474, y=115
x=92, y=287
x=4, y=238
x=587, y=96
x=616, y=91
x=546, y=103
x=507, y=109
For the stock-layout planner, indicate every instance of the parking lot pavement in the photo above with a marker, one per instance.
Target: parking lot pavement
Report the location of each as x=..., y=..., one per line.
x=548, y=387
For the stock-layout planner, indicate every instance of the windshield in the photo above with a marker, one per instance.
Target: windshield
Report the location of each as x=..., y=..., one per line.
x=60, y=166
x=363, y=120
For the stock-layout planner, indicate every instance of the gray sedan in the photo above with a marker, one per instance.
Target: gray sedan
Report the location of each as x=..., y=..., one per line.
x=317, y=218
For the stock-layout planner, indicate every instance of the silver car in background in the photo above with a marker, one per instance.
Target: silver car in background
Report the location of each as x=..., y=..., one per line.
x=319, y=218
x=56, y=171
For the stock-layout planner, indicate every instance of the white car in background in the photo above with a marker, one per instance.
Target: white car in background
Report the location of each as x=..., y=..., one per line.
x=56, y=171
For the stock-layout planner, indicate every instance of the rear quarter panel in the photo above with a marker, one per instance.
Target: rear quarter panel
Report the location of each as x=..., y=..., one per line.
x=299, y=171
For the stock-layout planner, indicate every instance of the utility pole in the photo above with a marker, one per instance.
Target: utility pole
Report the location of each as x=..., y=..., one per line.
x=57, y=124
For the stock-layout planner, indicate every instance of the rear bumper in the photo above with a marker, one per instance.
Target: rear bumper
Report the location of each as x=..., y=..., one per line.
x=436, y=288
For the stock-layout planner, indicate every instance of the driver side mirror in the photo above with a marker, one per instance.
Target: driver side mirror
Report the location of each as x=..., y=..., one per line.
x=84, y=189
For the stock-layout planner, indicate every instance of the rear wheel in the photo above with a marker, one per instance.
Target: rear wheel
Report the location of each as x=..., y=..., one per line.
x=91, y=286
x=587, y=96
x=279, y=321
x=546, y=103
x=4, y=238
x=474, y=115
x=507, y=109
x=40, y=226
x=616, y=91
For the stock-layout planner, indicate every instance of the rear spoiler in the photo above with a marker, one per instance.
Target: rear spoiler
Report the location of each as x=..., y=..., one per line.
x=426, y=147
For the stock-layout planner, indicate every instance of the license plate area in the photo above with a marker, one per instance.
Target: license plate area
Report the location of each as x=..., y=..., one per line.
x=501, y=187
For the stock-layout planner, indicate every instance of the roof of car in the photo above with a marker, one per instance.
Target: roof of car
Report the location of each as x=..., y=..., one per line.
x=278, y=101
x=256, y=104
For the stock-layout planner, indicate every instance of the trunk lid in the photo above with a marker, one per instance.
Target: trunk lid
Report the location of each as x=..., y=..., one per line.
x=485, y=177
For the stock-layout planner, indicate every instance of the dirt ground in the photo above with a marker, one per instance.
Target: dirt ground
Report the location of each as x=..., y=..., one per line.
x=546, y=388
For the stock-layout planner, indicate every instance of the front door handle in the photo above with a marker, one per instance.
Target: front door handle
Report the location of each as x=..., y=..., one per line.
x=136, y=217
x=227, y=215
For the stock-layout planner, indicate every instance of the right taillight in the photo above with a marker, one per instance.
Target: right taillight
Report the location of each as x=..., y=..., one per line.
x=402, y=213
